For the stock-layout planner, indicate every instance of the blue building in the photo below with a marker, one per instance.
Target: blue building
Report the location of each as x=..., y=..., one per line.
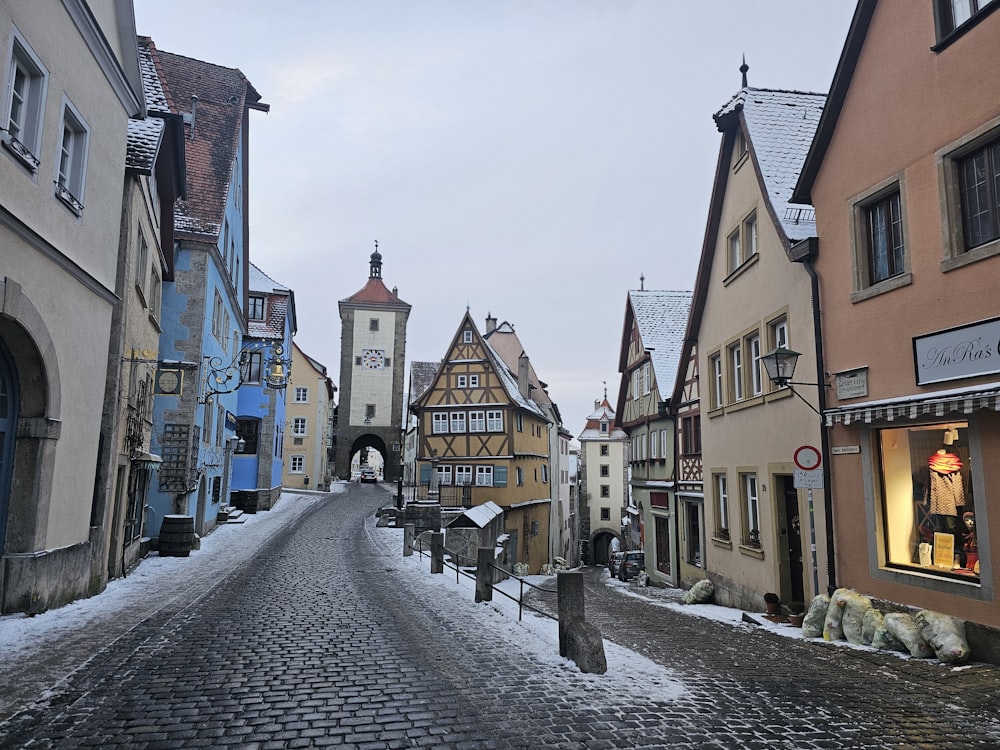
x=204, y=319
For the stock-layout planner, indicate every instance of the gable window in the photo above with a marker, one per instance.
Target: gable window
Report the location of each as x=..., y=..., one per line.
x=647, y=382
x=750, y=234
x=477, y=421
x=463, y=475
x=26, y=82
x=473, y=381
x=373, y=324
x=255, y=307
x=494, y=421
x=716, y=390
x=301, y=395
x=733, y=251
x=299, y=425
x=484, y=476
x=466, y=337
x=440, y=426
x=637, y=383
x=458, y=421
x=72, y=160
x=461, y=381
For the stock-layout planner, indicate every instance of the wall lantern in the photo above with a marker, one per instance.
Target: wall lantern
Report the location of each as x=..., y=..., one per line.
x=780, y=366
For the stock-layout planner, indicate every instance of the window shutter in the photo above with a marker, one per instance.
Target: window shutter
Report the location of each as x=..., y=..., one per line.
x=425, y=473
x=499, y=476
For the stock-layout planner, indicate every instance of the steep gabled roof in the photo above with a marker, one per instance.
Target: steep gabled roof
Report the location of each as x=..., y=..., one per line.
x=506, y=343
x=422, y=376
x=213, y=100
x=779, y=127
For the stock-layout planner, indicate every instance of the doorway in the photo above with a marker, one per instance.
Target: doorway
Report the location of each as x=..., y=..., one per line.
x=791, y=533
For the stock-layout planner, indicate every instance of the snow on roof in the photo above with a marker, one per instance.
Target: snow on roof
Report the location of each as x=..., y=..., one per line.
x=780, y=128
x=482, y=515
x=261, y=282
x=509, y=382
x=662, y=319
x=142, y=144
x=421, y=378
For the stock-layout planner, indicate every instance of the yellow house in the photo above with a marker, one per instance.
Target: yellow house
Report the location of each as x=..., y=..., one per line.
x=481, y=437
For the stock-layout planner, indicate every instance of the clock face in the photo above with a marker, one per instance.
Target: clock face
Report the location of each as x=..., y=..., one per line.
x=372, y=359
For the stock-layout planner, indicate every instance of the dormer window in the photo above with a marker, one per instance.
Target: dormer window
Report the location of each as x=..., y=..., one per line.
x=256, y=308
x=604, y=427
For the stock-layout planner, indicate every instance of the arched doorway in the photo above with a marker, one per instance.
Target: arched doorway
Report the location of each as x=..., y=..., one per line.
x=601, y=544
x=369, y=450
x=8, y=434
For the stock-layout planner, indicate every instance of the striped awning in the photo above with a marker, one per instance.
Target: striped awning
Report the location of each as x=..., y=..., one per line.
x=938, y=404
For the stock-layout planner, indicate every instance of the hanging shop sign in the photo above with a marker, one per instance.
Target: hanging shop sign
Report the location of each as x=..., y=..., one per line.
x=963, y=352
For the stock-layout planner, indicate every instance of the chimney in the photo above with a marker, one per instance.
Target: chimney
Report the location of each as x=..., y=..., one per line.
x=522, y=376
x=189, y=118
x=491, y=323
x=597, y=404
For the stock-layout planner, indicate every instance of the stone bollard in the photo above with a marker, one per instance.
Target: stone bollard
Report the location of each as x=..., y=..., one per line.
x=484, y=575
x=437, y=552
x=578, y=639
x=409, y=531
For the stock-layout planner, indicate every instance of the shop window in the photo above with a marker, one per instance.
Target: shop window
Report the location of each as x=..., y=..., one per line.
x=929, y=514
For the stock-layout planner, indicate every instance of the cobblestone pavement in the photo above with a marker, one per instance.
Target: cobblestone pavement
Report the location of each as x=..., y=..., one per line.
x=324, y=638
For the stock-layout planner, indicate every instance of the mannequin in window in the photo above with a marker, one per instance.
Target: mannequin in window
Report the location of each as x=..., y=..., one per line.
x=970, y=547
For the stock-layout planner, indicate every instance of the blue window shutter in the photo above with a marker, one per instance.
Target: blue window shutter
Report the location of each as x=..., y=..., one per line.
x=425, y=473
x=499, y=476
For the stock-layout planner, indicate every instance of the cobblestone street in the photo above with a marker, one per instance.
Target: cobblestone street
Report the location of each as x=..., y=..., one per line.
x=329, y=637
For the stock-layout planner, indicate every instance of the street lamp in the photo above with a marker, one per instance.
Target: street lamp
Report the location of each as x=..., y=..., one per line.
x=780, y=366
x=226, y=377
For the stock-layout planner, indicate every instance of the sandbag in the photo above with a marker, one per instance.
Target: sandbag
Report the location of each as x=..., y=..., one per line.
x=945, y=635
x=904, y=629
x=700, y=593
x=812, y=625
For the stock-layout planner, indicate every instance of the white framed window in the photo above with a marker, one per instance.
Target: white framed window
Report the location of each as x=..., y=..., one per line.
x=663, y=443
x=637, y=383
x=27, y=80
x=444, y=475
x=477, y=421
x=736, y=370
x=71, y=164
x=463, y=475
x=653, y=440
x=604, y=427
x=733, y=251
x=647, y=381
x=751, y=509
x=440, y=425
x=715, y=367
x=484, y=476
x=299, y=426
x=458, y=421
x=494, y=421
x=301, y=394
x=467, y=337
x=750, y=234
x=462, y=381
x=754, y=352
x=519, y=474
x=297, y=465
x=721, y=485
x=473, y=381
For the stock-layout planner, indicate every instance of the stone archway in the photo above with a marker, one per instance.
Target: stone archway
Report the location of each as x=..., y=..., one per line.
x=601, y=541
x=368, y=441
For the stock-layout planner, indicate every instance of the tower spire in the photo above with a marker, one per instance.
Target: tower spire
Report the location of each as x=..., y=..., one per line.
x=743, y=69
x=376, y=264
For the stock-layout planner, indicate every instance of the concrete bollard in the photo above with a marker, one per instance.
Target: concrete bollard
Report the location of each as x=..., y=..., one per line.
x=578, y=639
x=437, y=552
x=409, y=531
x=484, y=575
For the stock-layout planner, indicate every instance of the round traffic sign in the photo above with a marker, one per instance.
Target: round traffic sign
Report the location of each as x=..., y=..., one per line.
x=807, y=458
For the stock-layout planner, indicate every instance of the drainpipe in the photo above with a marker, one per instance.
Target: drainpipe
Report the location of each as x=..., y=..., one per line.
x=805, y=252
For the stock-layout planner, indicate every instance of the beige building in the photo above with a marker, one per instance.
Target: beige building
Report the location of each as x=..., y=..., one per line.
x=71, y=83
x=751, y=298
x=309, y=397
x=903, y=173
x=603, y=482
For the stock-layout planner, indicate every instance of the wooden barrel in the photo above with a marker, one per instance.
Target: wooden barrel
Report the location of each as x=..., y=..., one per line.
x=176, y=536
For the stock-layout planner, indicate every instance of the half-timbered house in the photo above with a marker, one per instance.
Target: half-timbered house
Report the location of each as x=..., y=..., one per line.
x=481, y=438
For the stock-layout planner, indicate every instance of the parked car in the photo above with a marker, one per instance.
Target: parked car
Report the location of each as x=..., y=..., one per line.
x=631, y=565
x=614, y=561
x=368, y=476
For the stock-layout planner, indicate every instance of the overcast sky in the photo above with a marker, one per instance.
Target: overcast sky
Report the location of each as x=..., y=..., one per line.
x=529, y=159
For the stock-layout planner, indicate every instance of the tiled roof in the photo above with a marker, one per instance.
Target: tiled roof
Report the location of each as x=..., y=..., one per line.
x=781, y=126
x=505, y=342
x=422, y=376
x=142, y=144
x=273, y=327
x=156, y=99
x=662, y=318
x=603, y=413
x=213, y=137
x=375, y=293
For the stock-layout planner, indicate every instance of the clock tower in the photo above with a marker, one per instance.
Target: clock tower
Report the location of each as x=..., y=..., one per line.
x=370, y=414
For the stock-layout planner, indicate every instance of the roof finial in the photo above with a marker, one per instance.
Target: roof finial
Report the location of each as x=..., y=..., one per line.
x=375, y=264
x=743, y=69
x=642, y=282
x=605, y=389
